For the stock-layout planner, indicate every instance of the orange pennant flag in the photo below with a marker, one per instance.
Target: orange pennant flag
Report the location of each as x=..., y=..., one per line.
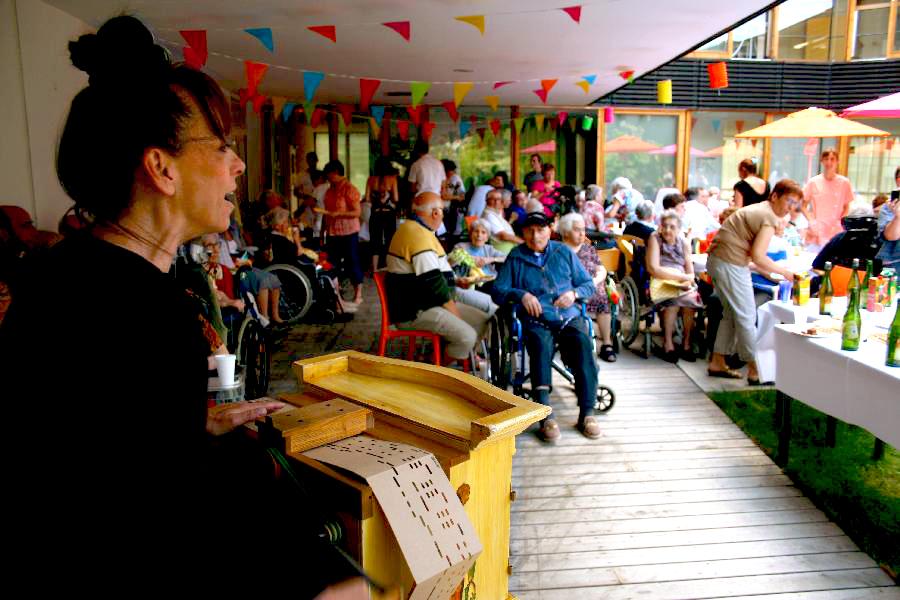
x=547, y=84
x=493, y=102
x=476, y=21
x=584, y=85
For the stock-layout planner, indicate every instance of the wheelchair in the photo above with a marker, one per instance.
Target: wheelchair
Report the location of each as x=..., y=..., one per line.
x=508, y=358
x=307, y=290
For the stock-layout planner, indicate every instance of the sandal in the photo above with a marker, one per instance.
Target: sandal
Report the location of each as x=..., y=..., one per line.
x=607, y=353
x=755, y=382
x=726, y=374
x=589, y=428
x=549, y=431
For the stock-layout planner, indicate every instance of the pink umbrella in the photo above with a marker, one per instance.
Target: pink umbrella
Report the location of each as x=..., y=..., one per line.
x=673, y=148
x=886, y=107
x=544, y=148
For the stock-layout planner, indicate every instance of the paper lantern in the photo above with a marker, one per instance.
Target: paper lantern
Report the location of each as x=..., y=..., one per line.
x=718, y=75
x=587, y=122
x=609, y=114
x=664, y=91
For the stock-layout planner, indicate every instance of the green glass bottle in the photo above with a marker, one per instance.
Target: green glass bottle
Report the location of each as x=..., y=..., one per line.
x=893, y=341
x=850, y=331
x=865, y=282
x=854, y=282
x=826, y=291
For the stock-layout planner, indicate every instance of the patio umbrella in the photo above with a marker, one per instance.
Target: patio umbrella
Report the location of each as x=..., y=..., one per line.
x=629, y=143
x=811, y=123
x=543, y=148
x=886, y=106
x=672, y=148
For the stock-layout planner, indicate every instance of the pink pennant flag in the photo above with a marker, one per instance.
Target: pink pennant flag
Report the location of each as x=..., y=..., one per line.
x=401, y=27
x=415, y=114
x=542, y=94
x=327, y=31
x=346, y=111
x=258, y=102
x=367, y=89
x=255, y=72
x=500, y=84
x=427, y=129
x=450, y=107
x=574, y=12
x=195, y=53
x=562, y=116
x=316, y=118
x=403, y=129
x=495, y=126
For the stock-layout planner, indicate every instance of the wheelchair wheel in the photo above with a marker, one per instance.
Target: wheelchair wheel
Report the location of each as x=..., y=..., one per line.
x=606, y=398
x=499, y=354
x=253, y=355
x=628, y=317
x=296, y=292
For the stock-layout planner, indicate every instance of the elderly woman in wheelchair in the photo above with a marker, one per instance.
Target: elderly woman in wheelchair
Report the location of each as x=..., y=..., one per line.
x=672, y=287
x=544, y=280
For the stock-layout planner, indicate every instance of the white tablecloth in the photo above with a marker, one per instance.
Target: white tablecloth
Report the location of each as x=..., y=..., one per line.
x=796, y=263
x=855, y=387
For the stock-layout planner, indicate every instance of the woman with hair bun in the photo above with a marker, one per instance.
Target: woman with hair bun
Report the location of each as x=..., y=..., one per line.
x=106, y=347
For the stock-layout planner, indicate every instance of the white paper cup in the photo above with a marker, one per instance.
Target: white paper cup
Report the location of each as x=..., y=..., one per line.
x=225, y=367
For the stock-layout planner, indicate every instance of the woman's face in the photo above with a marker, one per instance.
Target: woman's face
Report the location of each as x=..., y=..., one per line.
x=550, y=176
x=575, y=235
x=478, y=236
x=535, y=163
x=520, y=199
x=668, y=229
x=781, y=205
x=207, y=167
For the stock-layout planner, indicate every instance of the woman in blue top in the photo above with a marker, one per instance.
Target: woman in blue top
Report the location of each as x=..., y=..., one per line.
x=889, y=226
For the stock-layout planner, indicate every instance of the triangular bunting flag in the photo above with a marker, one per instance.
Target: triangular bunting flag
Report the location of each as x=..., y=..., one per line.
x=464, y=127
x=278, y=103
x=346, y=111
x=739, y=125
x=450, y=107
x=542, y=94
x=584, y=85
x=264, y=35
x=753, y=142
x=245, y=97
x=493, y=102
x=518, y=122
x=401, y=27
x=403, y=129
x=627, y=75
x=427, y=129
x=377, y=113
x=553, y=124
x=562, y=116
x=476, y=21
x=495, y=126
x=590, y=79
x=258, y=102
x=419, y=89
x=316, y=118
x=327, y=31
x=311, y=81
x=716, y=123
x=539, y=121
x=308, y=109
x=367, y=88
x=587, y=122
x=481, y=131
x=473, y=119
x=255, y=72
x=415, y=114
x=500, y=84
x=574, y=12
x=374, y=128
x=287, y=110
x=195, y=53
x=547, y=84
x=460, y=90
x=573, y=123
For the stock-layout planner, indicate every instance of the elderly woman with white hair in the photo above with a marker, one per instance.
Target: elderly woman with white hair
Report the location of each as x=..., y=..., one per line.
x=482, y=255
x=592, y=210
x=672, y=286
x=623, y=200
x=572, y=230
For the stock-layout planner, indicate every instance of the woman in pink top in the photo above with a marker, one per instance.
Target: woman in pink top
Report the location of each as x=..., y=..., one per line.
x=826, y=198
x=547, y=190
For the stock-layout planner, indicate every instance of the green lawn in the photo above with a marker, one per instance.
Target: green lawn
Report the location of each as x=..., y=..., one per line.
x=861, y=495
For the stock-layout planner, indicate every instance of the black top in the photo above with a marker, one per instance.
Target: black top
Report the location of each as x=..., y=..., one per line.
x=749, y=195
x=638, y=229
x=283, y=250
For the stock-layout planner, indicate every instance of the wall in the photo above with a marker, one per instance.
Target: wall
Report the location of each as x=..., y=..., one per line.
x=39, y=82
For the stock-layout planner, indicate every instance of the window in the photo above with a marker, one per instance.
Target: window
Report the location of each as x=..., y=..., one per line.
x=746, y=41
x=642, y=147
x=873, y=160
x=477, y=160
x=870, y=29
x=354, y=145
x=804, y=30
x=714, y=151
x=797, y=159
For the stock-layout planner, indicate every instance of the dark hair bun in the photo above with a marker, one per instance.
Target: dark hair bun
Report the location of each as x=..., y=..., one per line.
x=123, y=48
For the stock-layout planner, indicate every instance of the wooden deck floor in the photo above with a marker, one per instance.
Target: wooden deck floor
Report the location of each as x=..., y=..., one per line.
x=673, y=502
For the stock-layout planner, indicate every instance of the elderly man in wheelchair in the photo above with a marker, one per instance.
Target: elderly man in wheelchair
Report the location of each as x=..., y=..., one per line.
x=543, y=281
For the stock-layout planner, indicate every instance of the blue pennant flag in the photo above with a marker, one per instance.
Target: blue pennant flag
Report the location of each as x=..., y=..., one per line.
x=377, y=113
x=716, y=123
x=264, y=35
x=464, y=127
x=288, y=110
x=311, y=81
x=590, y=79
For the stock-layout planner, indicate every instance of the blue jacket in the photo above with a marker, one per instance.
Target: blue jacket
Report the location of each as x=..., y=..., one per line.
x=561, y=272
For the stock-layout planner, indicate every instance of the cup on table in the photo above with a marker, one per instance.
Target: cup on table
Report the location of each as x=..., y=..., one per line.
x=784, y=290
x=225, y=367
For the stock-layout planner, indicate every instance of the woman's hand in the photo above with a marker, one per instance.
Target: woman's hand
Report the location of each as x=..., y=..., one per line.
x=227, y=417
x=481, y=260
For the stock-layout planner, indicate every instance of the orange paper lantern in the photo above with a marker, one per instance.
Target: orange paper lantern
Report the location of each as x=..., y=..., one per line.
x=718, y=75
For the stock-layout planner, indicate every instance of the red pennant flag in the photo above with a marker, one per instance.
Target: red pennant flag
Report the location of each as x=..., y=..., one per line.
x=473, y=120
x=255, y=72
x=574, y=12
x=316, y=118
x=547, y=84
x=739, y=125
x=401, y=27
x=403, y=129
x=450, y=107
x=367, y=89
x=626, y=75
x=258, y=102
x=495, y=126
x=427, y=129
x=500, y=84
x=346, y=111
x=244, y=95
x=415, y=114
x=195, y=53
x=753, y=142
x=553, y=124
x=542, y=94
x=481, y=131
x=327, y=31
x=562, y=116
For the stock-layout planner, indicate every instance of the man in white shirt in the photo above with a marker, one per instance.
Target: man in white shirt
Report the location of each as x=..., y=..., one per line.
x=479, y=197
x=502, y=236
x=427, y=173
x=698, y=220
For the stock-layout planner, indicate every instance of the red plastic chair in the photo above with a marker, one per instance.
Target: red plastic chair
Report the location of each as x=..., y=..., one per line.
x=388, y=333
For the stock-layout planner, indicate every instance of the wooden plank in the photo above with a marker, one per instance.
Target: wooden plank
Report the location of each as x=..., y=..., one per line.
x=739, y=567
x=318, y=424
x=722, y=587
x=613, y=437
x=544, y=476
x=561, y=491
x=869, y=593
x=646, y=465
x=622, y=448
x=622, y=513
x=563, y=458
x=674, y=554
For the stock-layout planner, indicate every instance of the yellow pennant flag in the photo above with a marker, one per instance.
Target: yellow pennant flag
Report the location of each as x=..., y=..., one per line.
x=539, y=121
x=493, y=102
x=460, y=90
x=584, y=85
x=375, y=129
x=476, y=21
x=278, y=103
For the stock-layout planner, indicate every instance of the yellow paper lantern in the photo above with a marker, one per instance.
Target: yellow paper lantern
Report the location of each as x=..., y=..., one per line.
x=664, y=91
